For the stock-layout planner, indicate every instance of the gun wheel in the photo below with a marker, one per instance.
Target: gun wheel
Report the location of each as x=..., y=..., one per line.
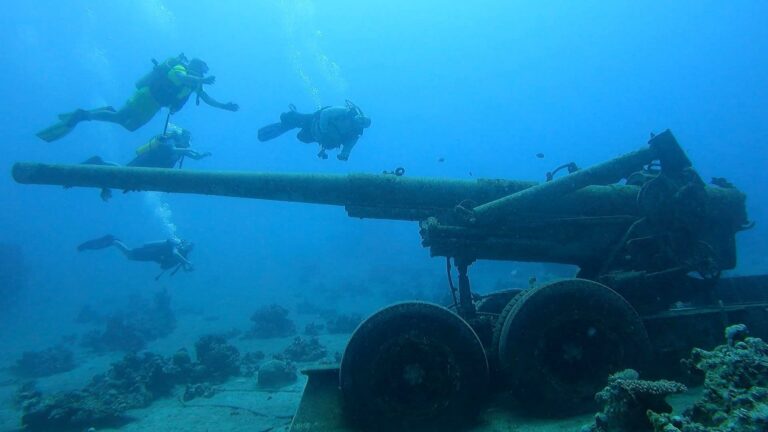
x=559, y=342
x=495, y=302
x=413, y=365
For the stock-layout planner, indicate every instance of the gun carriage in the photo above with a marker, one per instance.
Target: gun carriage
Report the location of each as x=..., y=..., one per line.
x=649, y=237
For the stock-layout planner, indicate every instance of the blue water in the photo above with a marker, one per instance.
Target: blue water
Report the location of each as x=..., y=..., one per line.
x=484, y=86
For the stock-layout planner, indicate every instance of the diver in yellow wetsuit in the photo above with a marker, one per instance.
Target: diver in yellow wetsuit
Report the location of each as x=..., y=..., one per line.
x=162, y=151
x=169, y=84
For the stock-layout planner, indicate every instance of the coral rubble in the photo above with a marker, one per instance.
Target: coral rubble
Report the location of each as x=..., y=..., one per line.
x=303, y=350
x=134, y=382
x=216, y=358
x=131, y=331
x=270, y=322
x=627, y=398
x=50, y=361
x=131, y=383
x=735, y=397
x=250, y=363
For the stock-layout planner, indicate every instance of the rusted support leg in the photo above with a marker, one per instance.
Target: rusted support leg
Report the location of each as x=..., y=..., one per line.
x=466, y=307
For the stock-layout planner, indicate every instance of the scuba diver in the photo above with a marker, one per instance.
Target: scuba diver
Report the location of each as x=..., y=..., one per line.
x=170, y=254
x=331, y=127
x=162, y=151
x=169, y=84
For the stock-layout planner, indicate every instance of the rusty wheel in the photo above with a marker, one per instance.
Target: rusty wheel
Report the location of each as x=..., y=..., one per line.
x=495, y=302
x=559, y=342
x=413, y=366
x=496, y=332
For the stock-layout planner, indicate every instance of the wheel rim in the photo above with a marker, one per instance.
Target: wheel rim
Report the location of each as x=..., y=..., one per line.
x=413, y=364
x=560, y=342
x=417, y=376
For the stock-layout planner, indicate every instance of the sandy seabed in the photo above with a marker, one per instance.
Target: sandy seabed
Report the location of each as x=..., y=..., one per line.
x=239, y=404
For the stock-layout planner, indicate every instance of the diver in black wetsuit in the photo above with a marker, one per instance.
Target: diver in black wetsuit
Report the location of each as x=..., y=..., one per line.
x=331, y=127
x=170, y=254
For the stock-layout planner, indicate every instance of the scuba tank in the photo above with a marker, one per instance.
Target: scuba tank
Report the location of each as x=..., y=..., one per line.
x=151, y=145
x=172, y=132
x=160, y=70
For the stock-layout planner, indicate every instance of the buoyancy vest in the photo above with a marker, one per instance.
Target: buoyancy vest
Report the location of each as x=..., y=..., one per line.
x=333, y=126
x=164, y=85
x=156, y=153
x=150, y=145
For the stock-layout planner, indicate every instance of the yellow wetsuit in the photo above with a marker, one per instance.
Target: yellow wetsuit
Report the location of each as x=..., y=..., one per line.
x=181, y=91
x=170, y=92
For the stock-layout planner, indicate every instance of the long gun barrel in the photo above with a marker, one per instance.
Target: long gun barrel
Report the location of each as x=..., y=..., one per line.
x=588, y=218
x=364, y=195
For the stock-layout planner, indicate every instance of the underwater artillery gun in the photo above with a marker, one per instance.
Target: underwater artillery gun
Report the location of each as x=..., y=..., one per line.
x=638, y=227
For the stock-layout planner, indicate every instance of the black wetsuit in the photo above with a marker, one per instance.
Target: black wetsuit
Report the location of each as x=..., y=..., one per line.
x=161, y=252
x=331, y=127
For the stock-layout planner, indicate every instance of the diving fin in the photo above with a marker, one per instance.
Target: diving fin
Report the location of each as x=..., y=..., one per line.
x=67, y=122
x=273, y=131
x=54, y=132
x=97, y=160
x=99, y=243
x=68, y=117
x=94, y=160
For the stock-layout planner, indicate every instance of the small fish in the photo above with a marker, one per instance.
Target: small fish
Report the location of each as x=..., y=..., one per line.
x=442, y=159
x=540, y=155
